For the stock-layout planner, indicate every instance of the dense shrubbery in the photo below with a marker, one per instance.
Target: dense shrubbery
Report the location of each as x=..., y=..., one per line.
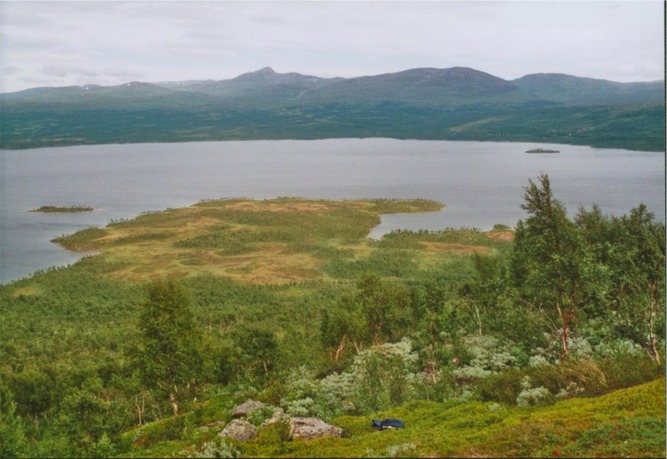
x=572, y=308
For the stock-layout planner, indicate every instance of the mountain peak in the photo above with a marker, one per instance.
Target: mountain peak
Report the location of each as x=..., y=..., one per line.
x=263, y=74
x=265, y=71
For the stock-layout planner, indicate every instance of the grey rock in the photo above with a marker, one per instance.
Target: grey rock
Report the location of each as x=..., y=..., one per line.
x=239, y=430
x=244, y=409
x=309, y=428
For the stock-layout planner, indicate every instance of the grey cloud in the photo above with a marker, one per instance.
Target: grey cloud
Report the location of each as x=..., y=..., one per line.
x=64, y=70
x=11, y=71
x=170, y=40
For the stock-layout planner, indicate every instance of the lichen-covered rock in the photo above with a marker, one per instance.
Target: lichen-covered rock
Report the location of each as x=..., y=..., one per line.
x=309, y=428
x=244, y=409
x=239, y=430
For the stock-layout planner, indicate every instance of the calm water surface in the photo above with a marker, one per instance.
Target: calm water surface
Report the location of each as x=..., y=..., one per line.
x=481, y=183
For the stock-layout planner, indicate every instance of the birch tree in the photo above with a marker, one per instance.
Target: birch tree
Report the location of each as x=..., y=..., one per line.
x=549, y=261
x=169, y=360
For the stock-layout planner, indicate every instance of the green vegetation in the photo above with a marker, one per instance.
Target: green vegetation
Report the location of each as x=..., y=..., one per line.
x=57, y=209
x=277, y=241
x=169, y=359
x=629, y=127
x=547, y=340
x=429, y=104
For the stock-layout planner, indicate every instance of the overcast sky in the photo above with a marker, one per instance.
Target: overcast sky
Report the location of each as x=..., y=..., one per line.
x=59, y=43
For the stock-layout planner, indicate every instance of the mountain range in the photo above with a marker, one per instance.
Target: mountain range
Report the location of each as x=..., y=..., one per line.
x=425, y=103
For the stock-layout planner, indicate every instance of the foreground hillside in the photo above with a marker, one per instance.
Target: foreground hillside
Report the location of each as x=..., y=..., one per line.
x=624, y=423
x=533, y=341
x=426, y=103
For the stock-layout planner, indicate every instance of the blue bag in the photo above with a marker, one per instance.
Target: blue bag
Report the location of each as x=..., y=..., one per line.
x=388, y=424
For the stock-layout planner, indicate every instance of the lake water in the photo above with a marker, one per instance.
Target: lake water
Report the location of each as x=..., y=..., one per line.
x=481, y=183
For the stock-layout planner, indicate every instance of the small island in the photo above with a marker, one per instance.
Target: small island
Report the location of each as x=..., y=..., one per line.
x=57, y=209
x=542, y=150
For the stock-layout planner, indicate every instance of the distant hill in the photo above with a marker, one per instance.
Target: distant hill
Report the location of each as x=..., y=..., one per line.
x=428, y=86
x=572, y=90
x=423, y=103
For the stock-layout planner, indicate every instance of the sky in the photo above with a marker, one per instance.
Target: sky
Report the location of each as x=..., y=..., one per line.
x=57, y=43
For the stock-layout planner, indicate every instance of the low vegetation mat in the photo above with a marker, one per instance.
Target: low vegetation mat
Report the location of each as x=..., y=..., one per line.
x=274, y=241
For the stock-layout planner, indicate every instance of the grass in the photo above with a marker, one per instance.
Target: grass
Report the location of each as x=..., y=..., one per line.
x=277, y=241
x=625, y=423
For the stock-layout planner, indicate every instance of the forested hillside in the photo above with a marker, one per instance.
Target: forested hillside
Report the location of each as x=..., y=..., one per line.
x=426, y=103
x=546, y=339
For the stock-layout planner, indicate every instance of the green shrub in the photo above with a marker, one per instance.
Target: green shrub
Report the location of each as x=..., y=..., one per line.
x=629, y=369
x=398, y=450
x=543, y=383
x=156, y=432
x=218, y=448
x=385, y=376
x=530, y=395
x=272, y=440
x=336, y=394
x=257, y=416
x=503, y=387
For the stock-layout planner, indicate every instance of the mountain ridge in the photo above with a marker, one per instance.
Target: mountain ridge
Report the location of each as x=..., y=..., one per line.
x=269, y=72
x=457, y=103
x=433, y=86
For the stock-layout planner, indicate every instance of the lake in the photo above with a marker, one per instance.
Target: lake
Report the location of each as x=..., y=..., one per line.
x=481, y=183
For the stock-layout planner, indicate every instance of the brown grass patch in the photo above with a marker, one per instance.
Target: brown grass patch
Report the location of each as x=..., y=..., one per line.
x=273, y=206
x=500, y=235
x=447, y=247
x=267, y=265
x=25, y=291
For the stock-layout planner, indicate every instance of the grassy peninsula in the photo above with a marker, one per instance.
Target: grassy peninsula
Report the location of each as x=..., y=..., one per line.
x=277, y=241
x=144, y=349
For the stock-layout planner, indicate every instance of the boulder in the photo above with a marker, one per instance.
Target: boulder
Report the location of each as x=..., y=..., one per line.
x=239, y=430
x=244, y=409
x=309, y=428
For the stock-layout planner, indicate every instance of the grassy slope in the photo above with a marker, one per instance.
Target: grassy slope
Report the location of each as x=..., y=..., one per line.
x=625, y=423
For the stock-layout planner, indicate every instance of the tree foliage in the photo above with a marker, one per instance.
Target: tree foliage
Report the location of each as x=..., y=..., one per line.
x=377, y=312
x=550, y=264
x=170, y=358
x=12, y=432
